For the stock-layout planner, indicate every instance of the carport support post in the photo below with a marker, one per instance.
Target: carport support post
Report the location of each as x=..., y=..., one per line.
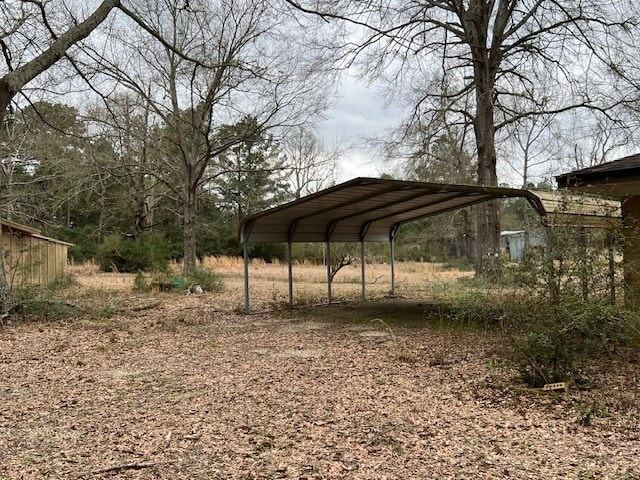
x=290, y=268
x=245, y=256
x=392, y=255
x=362, y=269
x=392, y=244
x=328, y=244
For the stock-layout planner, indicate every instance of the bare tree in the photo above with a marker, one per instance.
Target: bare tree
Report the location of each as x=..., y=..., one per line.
x=530, y=144
x=219, y=61
x=127, y=124
x=490, y=51
x=590, y=140
x=312, y=167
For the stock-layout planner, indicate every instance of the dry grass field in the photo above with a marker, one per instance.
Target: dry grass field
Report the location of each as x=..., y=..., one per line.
x=110, y=383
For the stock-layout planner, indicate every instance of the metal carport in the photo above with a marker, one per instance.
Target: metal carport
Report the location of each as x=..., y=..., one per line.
x=361, y=210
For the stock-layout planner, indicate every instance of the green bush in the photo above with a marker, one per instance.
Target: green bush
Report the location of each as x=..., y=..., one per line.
x=209, y=281
x=123, y=254
x=556, y=342
x=140, y=282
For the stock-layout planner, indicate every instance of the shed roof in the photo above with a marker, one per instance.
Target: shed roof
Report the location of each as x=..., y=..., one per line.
x=562, y=208
x=30, y=232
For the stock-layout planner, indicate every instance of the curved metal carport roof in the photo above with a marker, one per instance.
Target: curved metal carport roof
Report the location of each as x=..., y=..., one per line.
x=366, y=210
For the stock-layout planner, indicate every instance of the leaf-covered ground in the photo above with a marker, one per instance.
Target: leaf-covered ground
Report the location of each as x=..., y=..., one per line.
x=181, y=387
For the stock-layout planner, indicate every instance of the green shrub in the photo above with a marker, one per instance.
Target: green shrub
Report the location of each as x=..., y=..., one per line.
x=556, y=341
x=123, y=254
x=166, y=281
x=140, y=282
x=210, y=281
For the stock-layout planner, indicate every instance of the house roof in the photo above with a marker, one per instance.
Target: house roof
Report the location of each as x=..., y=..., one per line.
x=617, y=178
x=371, y=210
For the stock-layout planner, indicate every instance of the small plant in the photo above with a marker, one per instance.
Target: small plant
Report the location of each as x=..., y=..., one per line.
x=61, y=281
x=589, y=412
x=209, y=280
x=140, y=282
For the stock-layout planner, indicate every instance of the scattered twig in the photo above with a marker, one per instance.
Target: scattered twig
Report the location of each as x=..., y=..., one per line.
x=140, y=308
x=118, y=468
x=386, y=325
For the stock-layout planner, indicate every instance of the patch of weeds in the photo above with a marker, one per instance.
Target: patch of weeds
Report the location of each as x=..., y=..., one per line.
x=61, y=347
x=141, y=283
x=37, y=305
x=588, y=412
x=385, y=439
x=303, y=298
x=586, y=475
x=61, y=281
x=196, y=280
x=92, y=293
x=494, y=364
x=461, y=264
x=407, y=358
x=278, y=302
x=100, y=313
x=630, y=474
x=552, y=342
x=166, y=326
x=440, y=359
x=209, y=280
x=386, y=327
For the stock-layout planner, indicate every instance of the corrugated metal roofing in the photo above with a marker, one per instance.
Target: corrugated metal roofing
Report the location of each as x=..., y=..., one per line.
x=366, y=209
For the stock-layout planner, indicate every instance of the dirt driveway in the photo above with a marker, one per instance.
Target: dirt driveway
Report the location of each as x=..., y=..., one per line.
x=181, y=387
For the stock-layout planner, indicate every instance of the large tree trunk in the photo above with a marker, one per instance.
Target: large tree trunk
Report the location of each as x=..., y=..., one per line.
x=189, y=227
x=488, y=223
x=487, y=218
x=486, y=61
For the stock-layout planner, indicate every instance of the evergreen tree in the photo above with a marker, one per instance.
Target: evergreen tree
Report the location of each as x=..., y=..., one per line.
x=252, y=174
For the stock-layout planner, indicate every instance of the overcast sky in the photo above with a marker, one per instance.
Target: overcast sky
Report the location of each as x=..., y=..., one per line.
x=359, y=114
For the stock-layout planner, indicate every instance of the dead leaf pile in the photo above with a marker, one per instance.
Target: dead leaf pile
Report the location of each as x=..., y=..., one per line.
x=190, y=390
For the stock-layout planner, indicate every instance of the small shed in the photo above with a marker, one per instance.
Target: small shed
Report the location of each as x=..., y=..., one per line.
x=30, y=258
x=514, y=242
